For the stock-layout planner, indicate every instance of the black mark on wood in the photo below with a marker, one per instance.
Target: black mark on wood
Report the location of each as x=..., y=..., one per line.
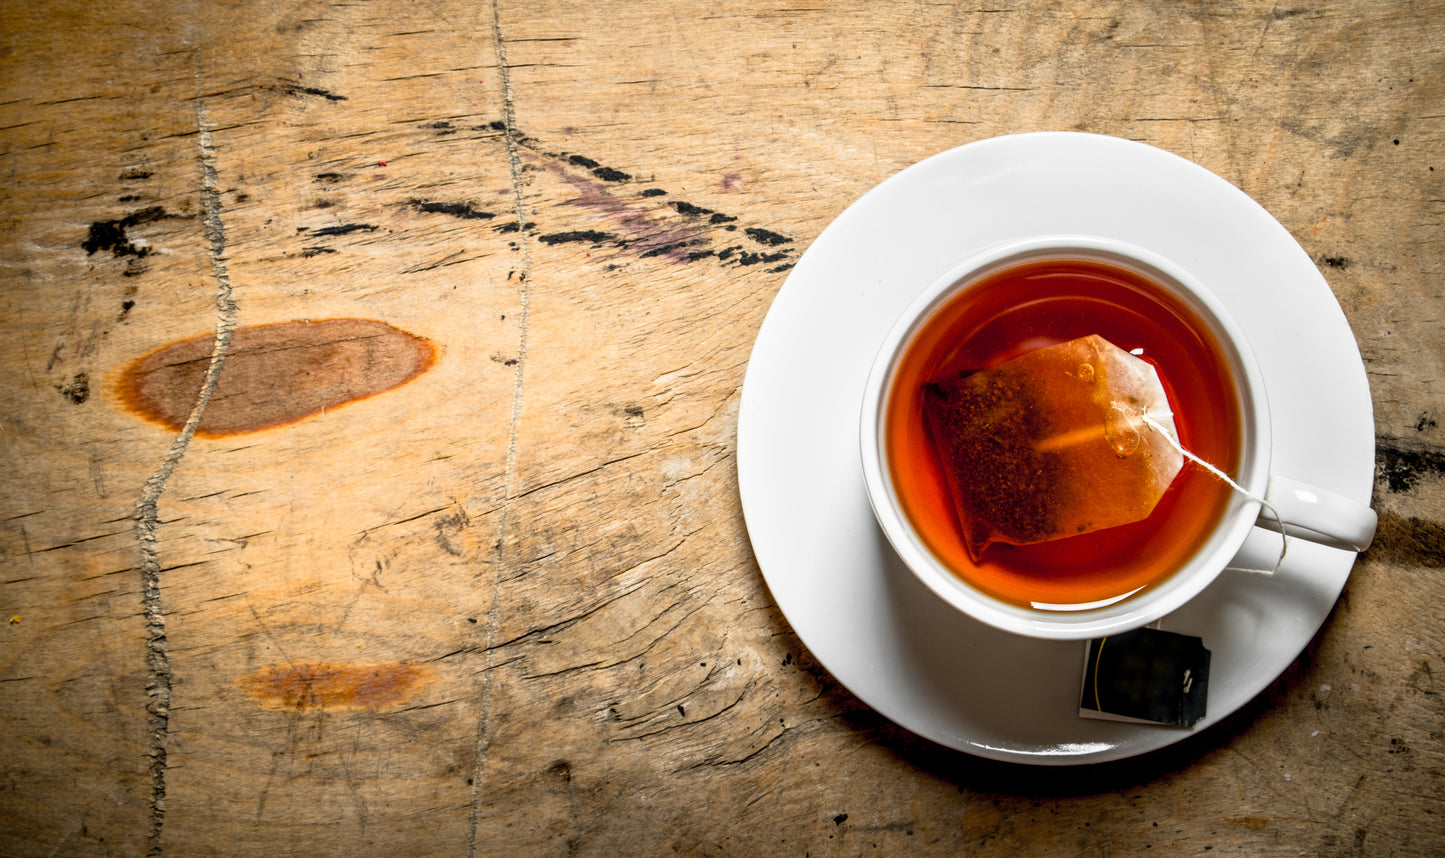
x=588, y=235
x=77, y=390
x=297, y=89
x=466, y=211
x=606, y=174
x=1401, y=467
x=111, y=234
x=690, y=209
x=645, y=232
x=448, y=527
x=1339, y=262
x=330, y=178
x=135, y=174
x=746, y=258
x=344, y=229
x=668, y=249
x=763, y=236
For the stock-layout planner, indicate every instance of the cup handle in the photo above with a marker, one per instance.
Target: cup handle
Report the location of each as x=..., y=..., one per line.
x=1318, y=515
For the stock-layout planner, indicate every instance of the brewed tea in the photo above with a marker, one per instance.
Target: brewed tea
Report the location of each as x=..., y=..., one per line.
x=1036, y=305
x=1053, y=443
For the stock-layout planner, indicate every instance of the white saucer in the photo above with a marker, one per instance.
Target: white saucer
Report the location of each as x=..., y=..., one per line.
x=883, y=635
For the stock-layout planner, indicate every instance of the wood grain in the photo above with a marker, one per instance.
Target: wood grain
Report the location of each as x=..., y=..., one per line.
x=509, y=607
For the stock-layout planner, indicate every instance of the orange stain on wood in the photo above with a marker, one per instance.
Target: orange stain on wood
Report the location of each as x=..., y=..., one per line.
x=335, y=687
x=273, y=375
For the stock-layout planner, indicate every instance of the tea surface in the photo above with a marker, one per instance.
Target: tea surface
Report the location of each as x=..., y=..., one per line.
x=1040, y=304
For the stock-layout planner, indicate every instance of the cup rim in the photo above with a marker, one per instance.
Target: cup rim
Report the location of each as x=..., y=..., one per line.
x=1126, y=612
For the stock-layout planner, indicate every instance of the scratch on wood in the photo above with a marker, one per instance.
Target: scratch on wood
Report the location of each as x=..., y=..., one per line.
x=158, y=669
x=298, y=89
x=510, y=135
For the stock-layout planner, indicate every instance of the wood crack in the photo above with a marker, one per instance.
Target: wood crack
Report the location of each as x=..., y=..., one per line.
x=147, y=519
x=511, y=137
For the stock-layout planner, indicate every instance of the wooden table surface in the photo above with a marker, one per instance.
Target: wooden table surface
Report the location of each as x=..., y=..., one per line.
x=369, y=425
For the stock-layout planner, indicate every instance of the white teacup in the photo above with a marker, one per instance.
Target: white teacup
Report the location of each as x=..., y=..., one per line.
x=1308, y=512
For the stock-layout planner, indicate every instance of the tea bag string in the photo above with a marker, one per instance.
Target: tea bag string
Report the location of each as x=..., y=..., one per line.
x=1173, y=442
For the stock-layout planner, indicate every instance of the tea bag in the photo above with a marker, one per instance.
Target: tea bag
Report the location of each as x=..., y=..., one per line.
x=1054, y=443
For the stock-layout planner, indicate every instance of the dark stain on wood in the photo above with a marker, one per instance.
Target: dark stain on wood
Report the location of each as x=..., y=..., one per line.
x=77, y=390
x=466, y=211
x=299, y=90
x=344, y=229
x=274, y=374
x=1408, y=541
x=649, y=232
x=327, y=687
x=645, y=233
x=641, y=230
x=676, y=230
x=1402, y=465
x=763, y=236
x=690, y=209
x=606, y=174
x=111, y=234
x=591, y=236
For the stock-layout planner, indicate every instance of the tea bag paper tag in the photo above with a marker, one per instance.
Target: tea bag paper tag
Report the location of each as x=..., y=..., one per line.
x=1146, y=676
